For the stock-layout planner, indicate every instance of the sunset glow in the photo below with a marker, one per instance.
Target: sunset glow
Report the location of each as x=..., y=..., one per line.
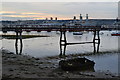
x=61, y=10
x=1, y=12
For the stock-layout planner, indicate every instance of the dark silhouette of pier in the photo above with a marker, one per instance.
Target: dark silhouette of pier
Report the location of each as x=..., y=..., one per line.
x=48, y=28
x=64, y=43
x=63, y=38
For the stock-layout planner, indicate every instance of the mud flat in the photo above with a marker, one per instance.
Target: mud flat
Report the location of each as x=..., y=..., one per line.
x=24, y=66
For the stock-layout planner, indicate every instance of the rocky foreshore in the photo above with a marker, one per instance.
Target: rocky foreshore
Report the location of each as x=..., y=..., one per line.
x=24, y=66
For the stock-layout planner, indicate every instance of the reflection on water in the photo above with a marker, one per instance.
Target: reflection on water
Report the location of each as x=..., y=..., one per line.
x=64, y=43
x=49, y=46
x=18, y=37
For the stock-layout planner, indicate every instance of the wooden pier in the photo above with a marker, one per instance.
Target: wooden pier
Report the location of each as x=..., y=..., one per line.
x=64, y=43
x=63, y=38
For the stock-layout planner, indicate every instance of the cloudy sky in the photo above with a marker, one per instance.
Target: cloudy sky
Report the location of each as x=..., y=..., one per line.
x=60, y=0
x=62, y=10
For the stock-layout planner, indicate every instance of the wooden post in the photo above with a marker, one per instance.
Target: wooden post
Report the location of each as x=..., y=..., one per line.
x=94, y=36
x=16, y=43
x=18, y=37
x=64, y=50
x=96, y=39
x=63, y=43
x=21, y=44
x=60, y=43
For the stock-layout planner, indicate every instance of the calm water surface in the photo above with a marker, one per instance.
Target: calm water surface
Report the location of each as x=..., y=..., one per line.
x=49, y=46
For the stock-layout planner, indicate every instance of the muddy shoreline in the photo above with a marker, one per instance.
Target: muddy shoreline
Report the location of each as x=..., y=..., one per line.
x=24, y=66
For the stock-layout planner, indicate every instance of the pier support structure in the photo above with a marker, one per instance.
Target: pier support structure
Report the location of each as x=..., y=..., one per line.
x=64, y=43
x=18, y=37
x=96, y=40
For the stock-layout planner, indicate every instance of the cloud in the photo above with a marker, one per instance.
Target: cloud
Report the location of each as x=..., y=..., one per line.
x=10, y=14
x=60, y=0
x=15, y=18
x=25, y=15
x=30, y=13
x=2, y=12
x=62, y=10
x=16, y=13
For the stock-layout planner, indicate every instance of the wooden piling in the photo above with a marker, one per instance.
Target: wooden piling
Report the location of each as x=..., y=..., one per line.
x=18, y=37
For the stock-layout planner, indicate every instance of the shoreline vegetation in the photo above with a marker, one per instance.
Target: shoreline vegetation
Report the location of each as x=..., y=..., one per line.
x=25, y=66
x=7, y=36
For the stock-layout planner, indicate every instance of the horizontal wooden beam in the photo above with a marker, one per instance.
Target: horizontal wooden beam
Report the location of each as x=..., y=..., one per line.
x=79, y=43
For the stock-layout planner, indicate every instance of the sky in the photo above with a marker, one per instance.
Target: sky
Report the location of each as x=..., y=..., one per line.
x=62, y=10
x=60, y=0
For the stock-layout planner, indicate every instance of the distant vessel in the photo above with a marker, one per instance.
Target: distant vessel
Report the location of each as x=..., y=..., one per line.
x=117, y=23
x=78, y=33
x=115, y=34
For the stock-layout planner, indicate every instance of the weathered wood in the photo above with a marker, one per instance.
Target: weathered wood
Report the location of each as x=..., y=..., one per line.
x=64, y=43
x=78, y=43
x=18, y=37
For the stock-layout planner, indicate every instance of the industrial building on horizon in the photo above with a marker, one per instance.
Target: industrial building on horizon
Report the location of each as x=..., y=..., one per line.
x=56, y=22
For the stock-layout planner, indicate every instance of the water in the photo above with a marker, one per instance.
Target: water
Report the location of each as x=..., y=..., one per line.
x=49, y=46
